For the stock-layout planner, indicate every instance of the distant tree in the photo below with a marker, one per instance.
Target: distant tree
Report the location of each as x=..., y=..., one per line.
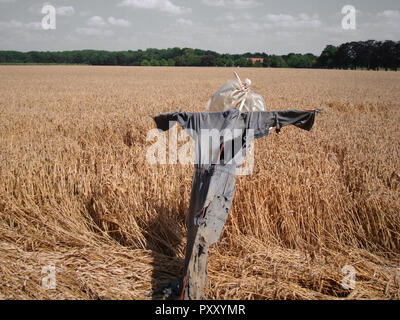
x=208, y=61
x=110, y=59
x=154, y=62
x=241, y=62
x=145, y=63
x=163, y=63
x=122, y=58
x=188, y=58
x=346, y=56
x=387, y=57
x=266, y=62
x=229, y=62
x=221, y=62
x=327, y=57
x=293, y=60
x=396, y=65
x=249, y=63
x=301, y=60
x=366, y=54
x=171, y=62
x=369, y=54
x=278, y=62
x=179, y=61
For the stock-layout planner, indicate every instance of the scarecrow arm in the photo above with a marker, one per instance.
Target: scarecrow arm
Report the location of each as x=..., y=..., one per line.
x=262, y=121
x=301, y=119
x=191, y=121
x=164, y=121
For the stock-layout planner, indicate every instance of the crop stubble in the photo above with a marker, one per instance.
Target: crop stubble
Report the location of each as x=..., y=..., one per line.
x=77, y=192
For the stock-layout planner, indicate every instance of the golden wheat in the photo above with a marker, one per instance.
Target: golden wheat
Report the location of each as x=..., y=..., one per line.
x=77, y=192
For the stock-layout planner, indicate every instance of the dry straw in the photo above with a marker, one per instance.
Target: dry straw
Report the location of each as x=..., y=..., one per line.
x=77, y=192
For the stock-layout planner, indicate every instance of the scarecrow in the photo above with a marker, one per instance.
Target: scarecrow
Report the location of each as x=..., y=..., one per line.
x=235, y=116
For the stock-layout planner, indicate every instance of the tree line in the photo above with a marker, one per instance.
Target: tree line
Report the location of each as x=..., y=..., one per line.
x=371, y=55
x=363, y=54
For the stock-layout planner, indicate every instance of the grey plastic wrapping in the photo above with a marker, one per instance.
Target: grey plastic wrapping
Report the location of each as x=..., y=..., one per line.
x=236, y=94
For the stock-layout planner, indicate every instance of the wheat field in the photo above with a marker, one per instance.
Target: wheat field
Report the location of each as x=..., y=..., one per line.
x=77, y=193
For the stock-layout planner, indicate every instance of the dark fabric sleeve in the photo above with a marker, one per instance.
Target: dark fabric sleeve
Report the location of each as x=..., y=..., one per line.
x=261, y=121
x=301, y=119
x=164, y=121
x=190, y=121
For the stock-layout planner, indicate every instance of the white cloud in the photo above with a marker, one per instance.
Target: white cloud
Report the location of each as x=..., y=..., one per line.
x=65, y=11
x=118, y=22
x=247, y=27
x=271, y=24
x=285, y=34
x=34, y=25
x=247, y=16
x=61, y=11
x=232, y=4
x=96, y=21
x=387, y=21
x=84, y=13
x=235, y=26
x=184, y=22
x=289, y=21
x=11, y=24
x=37, y=7
x=230, y=17
x=389, y=14
x=160, y=5
x=214, y=3
x=226, y=17
x=242, y=4
x=279, y=17
x=255, y=26
x=100, y=27
x=94, y=32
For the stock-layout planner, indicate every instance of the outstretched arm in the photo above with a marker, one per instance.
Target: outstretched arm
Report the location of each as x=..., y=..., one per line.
x=262, y=121
x=190, y=121
x=300, y=119
x=164, y=121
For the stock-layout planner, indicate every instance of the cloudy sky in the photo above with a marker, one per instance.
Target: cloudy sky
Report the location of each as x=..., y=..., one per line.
x=234, y=26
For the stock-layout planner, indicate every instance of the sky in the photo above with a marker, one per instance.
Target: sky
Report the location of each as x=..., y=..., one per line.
x=225, y=26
